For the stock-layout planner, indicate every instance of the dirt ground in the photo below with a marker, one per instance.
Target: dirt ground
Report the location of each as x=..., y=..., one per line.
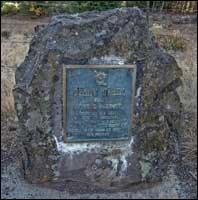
x=182, y=180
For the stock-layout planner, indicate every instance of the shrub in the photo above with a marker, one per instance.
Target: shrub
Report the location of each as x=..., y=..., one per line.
x=80, y=6
x=40, y=8
x=32, y=7
x=9, y=8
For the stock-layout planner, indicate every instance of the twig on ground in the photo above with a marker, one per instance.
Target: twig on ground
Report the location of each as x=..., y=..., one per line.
x=195, y=177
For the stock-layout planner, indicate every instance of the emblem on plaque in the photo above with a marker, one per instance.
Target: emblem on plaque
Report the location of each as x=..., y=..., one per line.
x=101, y=78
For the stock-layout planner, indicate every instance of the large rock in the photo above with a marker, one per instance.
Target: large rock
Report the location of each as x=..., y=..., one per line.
x=118, y=36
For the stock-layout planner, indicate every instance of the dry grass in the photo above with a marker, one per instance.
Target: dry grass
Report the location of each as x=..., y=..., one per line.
x=181, y=42
x=173, y=42
x=9, y=144
x=7, y=99
x=187, y=61
x=189, y=143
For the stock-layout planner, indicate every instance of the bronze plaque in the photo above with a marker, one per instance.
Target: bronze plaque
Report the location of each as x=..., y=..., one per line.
x=98, y=102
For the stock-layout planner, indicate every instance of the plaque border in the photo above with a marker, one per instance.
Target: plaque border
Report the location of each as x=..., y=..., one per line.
x=133, y=67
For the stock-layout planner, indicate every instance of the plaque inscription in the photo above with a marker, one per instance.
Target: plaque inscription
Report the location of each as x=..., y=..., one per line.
x=98, y=102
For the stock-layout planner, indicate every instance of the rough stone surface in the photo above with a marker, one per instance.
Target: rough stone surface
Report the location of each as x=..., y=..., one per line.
x=22, y=190
x=118, y=36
